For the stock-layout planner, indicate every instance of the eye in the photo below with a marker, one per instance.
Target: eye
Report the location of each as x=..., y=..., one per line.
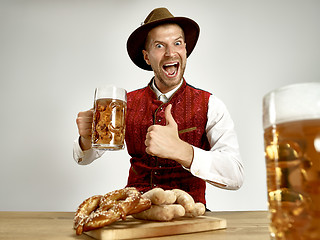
x=178, y=43
x=159, y=45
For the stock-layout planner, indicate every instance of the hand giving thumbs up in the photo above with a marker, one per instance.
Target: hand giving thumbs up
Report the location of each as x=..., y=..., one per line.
x=164, y=141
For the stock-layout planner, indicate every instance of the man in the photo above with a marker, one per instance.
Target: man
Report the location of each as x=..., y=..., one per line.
x=177, y=136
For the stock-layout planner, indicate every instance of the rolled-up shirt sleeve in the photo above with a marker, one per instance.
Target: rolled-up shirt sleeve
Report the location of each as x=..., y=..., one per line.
x=221, y=166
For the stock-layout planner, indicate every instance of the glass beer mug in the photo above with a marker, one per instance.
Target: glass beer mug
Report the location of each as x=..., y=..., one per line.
x=109, y=118
x=291, y=122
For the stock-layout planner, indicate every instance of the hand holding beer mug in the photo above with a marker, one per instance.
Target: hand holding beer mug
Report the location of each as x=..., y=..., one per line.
x=109, y=118
x=291, y=121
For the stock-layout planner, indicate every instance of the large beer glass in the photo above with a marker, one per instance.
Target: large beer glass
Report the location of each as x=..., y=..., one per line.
x=109, y=118
x=291, y=121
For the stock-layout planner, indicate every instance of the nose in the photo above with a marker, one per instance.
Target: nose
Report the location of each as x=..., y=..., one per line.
x=169, y=51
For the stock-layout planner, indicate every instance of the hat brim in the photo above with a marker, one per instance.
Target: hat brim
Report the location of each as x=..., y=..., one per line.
x=136, y=40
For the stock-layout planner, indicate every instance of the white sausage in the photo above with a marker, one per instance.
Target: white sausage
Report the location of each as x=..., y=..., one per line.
x=161, y=212
x=156, y=195
x=185, y=199
x=198, y=210
x=170, y=197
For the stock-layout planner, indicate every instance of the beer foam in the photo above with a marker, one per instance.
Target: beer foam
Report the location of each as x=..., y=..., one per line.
x=291, y=103
x=110, y=91
x=317, y=143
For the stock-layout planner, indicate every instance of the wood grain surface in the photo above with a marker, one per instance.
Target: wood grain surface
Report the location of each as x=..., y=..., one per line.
x=16, y=225
x=133, y=228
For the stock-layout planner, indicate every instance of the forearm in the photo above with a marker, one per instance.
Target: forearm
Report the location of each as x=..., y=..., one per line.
x=183, y=153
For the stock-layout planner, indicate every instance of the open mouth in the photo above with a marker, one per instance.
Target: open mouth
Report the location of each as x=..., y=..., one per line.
x=171, y=69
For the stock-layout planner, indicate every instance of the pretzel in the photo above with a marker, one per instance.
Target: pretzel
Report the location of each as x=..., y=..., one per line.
x=99, y=211
x=130, y=197
x=86, y=207
x=143, y=205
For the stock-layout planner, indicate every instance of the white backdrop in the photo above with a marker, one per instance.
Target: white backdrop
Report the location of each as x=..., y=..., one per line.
x=54, y=53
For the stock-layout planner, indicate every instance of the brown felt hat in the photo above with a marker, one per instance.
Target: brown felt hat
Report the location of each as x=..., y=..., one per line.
x=158, y=16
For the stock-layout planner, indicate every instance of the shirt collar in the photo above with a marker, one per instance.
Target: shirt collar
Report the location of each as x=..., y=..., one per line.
x=164, y=97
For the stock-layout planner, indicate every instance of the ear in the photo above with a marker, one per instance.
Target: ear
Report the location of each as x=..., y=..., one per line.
x=145, y=56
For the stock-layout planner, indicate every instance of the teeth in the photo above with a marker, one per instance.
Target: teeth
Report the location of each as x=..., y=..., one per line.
x=170, y=64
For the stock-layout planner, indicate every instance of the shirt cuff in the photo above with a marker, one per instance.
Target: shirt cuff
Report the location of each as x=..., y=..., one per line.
x=77, y=151
x=201, y=166
x=85, y=157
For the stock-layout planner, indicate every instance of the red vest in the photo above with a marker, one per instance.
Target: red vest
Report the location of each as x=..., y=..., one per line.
x=189, y=109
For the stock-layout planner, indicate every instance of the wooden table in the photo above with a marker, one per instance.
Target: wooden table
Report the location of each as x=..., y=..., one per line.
x=58, y=225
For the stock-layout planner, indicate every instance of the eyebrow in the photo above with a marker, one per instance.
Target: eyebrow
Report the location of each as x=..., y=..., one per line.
x=178, y=38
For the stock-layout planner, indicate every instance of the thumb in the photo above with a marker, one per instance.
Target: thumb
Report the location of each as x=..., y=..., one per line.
x=169, y=118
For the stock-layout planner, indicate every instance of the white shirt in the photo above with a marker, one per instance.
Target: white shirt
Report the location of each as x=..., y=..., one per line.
x=221, y=166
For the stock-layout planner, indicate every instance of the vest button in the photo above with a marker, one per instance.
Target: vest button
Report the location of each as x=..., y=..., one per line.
x=155, y=173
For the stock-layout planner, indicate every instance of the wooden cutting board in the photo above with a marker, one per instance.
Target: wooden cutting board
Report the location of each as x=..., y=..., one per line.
x=133, y=228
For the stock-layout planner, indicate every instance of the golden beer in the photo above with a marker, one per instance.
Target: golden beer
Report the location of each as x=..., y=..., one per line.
x=108, y=129
x=292, y=151
x=109, y=118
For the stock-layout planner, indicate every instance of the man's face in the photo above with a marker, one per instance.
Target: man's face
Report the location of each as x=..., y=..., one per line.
x=166, y=53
